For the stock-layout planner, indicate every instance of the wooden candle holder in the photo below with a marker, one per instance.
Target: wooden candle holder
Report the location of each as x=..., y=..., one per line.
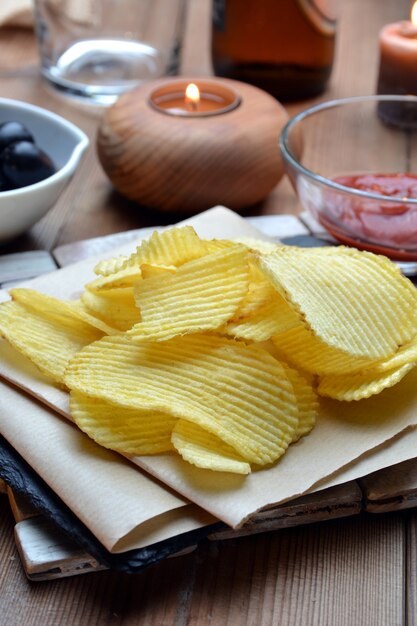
x=188, y=163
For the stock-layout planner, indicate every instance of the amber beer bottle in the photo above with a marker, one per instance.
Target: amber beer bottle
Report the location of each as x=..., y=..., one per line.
x=286, y=47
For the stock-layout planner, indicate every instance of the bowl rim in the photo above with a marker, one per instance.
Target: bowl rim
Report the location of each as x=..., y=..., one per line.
x=69, y=167
x=328, y=104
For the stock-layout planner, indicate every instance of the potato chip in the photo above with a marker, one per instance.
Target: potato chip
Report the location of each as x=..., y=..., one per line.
x=260, y=293
x=354, y=301
x=174, y=246
x=205, y=450
x=214, y=245
x=271, y=319
x=125, y=277
x=110, y=266
x=116, y=307
x=7, y=310
x=307, y=399
x=239, y=393
x=359, y=386
x=128, y=431
x=405, y=354
x=49, y=343
x=257, y=245
x=79, y=308
x=51, y=307
x=303, y=350
x=149, y=271
x=307, y=402
x=202, y=295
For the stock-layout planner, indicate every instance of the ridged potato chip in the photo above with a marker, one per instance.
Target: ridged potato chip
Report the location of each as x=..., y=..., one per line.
x=270, y=320
x=125, y=277
x=116, y=307
x=359, y=386
x=174, y=246
x=257, y=245
x=353, y=301
x=260, y=293
x=124, y=430
x=306, y=396
x=203, y=449
x=405, y=354
x=303, y=350
x=149, y=271
x=110, y=266
x=307, y=402
x=54, y=308
x=201, y=295
x=49, y=343
x=239, y=393
x=7, y=310
x=214, y=245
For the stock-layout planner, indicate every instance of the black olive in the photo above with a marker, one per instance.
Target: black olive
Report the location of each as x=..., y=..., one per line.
x=10, y=132
x=23, y=163
x=4, y=184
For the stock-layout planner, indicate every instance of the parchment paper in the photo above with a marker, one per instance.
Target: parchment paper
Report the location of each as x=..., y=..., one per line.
x=345, y=432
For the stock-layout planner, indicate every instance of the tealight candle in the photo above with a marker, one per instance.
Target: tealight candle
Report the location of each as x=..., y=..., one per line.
x=398, y=62
x=194, y=100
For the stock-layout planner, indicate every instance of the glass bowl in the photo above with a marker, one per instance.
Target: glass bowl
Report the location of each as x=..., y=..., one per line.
x=361, y=183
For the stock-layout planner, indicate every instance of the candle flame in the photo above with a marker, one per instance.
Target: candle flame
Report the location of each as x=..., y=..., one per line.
x=192, y=94
x=414, y=14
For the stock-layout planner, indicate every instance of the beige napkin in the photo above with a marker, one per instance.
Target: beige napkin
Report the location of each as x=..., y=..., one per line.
x=345, y=433
x=124, y=507
x=16, y=13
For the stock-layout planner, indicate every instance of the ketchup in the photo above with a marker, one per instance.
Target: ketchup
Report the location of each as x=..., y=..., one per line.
x=390, y=227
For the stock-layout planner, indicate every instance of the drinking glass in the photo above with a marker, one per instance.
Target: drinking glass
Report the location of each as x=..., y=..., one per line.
x=97, y=49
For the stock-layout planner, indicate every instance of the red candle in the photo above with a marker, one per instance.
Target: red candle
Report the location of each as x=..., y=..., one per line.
x=398, y=57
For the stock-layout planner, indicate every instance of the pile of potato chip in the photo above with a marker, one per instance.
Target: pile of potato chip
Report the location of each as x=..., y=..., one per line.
x=216, y=348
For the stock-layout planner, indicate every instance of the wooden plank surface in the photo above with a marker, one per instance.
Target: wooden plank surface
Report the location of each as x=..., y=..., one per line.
x=336, y=573
x=411, y=569
x=358, y=572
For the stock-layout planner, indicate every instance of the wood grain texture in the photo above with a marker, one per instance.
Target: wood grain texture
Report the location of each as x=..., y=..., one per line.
x=410, y=576
x=393, y=481
x=186, y=165
x=340, y=573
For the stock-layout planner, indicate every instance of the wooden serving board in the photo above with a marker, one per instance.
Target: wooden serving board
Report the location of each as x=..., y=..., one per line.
x=47, y=553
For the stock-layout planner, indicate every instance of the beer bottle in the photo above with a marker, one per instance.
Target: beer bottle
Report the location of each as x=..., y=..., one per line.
x=286, y=47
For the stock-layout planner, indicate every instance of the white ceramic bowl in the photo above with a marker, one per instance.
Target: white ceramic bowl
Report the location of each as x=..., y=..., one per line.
x=63, y=142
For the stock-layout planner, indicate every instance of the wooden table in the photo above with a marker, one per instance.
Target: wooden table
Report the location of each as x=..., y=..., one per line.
x=359, y=571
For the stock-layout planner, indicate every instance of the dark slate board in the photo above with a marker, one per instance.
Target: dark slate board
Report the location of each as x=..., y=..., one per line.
x=23, y=480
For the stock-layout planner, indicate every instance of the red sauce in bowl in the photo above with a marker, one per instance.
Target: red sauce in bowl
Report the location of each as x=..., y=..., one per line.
x=380, y=226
